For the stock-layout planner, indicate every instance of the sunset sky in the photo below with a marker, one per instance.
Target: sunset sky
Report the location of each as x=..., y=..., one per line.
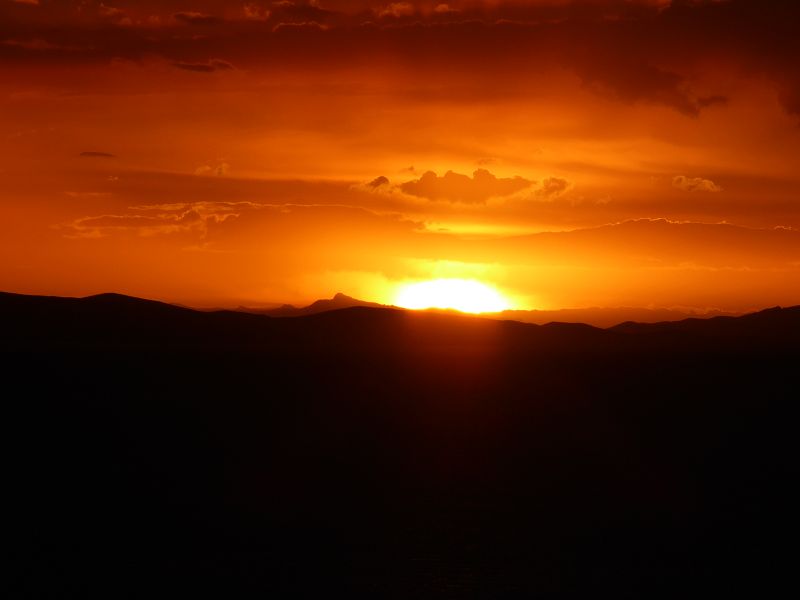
x=567, y=153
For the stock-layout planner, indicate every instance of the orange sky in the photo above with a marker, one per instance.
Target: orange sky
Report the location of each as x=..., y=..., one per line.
x=587, y=153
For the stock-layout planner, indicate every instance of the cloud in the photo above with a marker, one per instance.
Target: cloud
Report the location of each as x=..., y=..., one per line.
x=694, y=184
x=634, y=81
x=790, y=96
x=158, y=219
x=196, y=18
x=220, y=169
x=253, y=12
x=300, y=27
x=456, y=187
x=207, y=67
x=33, y=44
x=241, y=224
x=648, y=51
x=397, y=10
x=110, y=11
x=95, y=154
x=139, y=224
x=31, y=2
x=445, y=9
x=379, y=182
x=551, y=188
x=301, y=12
x=113, y=14
x=90, y=195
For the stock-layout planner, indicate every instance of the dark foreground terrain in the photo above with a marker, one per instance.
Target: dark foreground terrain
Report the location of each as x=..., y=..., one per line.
x=156, y=451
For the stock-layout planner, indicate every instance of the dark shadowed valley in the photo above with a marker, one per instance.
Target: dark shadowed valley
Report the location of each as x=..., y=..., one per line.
x=156, y=450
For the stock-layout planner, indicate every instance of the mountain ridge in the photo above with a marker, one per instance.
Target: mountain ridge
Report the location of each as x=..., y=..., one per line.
x=107, y=318
x=602, y=317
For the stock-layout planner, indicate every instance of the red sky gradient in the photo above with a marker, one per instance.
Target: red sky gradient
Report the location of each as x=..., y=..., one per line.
x=570, y=153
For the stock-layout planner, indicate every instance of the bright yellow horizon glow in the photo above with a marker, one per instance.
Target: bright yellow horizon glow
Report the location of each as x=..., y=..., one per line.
x=464, y=295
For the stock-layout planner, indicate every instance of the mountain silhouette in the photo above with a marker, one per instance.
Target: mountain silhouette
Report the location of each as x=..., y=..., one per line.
x=338, y=301
x=380, y=452
x=606, y=316
x=596, y=316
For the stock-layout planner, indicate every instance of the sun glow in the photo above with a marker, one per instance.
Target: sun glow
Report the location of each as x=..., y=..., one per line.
x=465, y=295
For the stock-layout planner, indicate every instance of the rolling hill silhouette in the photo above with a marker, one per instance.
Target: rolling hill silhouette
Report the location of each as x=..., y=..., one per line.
x=388, y=453
x=606, y=316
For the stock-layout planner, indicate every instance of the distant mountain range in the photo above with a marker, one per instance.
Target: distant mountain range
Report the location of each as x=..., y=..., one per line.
x=338, y=302
x=120, y=319
x=608, y=317
x=597, y=317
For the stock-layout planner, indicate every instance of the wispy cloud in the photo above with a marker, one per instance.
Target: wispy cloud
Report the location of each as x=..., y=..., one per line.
x=694, y=184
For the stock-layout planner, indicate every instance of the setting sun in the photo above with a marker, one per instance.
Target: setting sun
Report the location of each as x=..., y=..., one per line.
x=465, y=295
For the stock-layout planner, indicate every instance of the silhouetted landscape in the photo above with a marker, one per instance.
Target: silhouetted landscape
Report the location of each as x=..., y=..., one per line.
x=157, y=450
x=599, y=317
x=338, y=301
